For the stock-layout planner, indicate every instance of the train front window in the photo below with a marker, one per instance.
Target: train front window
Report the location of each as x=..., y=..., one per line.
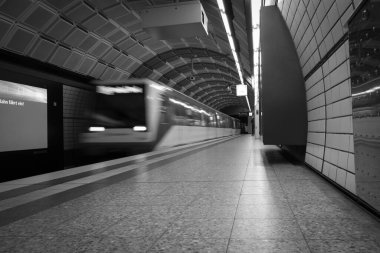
x=120, y=106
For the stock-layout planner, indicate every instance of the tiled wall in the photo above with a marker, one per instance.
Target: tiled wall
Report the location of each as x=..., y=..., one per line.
x=319, y=30
x=75, y=104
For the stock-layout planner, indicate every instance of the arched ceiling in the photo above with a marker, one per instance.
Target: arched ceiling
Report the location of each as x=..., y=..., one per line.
x=104, y=39
x=220, y=104
x=235, y=110
x=215, y=95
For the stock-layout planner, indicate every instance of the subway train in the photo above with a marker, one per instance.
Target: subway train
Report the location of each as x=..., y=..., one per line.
x=140, y=114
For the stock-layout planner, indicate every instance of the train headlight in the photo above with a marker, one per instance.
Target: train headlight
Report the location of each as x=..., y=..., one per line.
x=139, y=128
x=96, y=129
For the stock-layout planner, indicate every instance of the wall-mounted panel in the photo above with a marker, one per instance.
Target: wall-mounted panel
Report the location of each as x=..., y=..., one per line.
x=283, y=92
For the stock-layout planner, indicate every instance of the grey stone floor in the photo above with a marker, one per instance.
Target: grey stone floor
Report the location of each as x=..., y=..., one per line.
x=239, y=196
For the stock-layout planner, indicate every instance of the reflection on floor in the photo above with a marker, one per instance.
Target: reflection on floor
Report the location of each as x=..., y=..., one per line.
x=237, y=196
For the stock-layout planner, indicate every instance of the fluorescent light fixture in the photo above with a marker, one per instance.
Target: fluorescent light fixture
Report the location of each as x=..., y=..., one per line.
x=232, y=43
x=255, y=18
x=139, y=128
x=225, y=21
x=249, y=106
x=96, y=129
x=229, y=36
x=231, y=40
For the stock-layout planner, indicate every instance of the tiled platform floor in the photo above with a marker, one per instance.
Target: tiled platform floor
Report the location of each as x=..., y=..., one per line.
x=238, y=196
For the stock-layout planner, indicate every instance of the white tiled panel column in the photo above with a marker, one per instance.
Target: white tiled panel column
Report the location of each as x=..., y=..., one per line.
x=319, y=29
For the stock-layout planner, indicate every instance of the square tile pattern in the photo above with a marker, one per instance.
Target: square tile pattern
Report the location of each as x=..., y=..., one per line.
x=196, y=204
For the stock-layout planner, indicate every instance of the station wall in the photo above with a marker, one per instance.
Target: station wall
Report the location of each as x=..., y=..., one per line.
x=76, y=103
x=320, y=34
x=68, y=97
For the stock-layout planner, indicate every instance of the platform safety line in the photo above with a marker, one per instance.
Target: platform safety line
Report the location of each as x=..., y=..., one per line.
x=60, y=188
x=46, y=178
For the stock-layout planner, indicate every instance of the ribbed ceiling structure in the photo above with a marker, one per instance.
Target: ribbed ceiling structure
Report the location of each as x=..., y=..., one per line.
x=104, y=39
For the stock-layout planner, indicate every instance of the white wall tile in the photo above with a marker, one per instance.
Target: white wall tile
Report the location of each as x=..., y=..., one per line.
x=326, y=169
x=328, y=90
x=314, y=162
x=332, y=172
x=316, y=126
x=351, y=183
x=316, y=138
x=315, y=150
x=316, y=102
x=315, y=90
x=333, y=14
x=342, y=160
x=316, y=114
x=341, y=177
x=351, y=163
x=342, y=6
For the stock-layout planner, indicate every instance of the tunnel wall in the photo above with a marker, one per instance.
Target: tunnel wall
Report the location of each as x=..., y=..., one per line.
x=319, y=33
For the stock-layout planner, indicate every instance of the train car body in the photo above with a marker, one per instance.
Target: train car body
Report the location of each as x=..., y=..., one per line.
x=140, y=114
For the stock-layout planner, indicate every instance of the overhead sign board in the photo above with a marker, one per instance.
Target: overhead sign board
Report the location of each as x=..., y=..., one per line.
x=241, y=90
x=175, y=21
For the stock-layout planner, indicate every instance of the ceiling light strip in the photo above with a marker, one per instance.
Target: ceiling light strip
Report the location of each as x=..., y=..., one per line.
x=232, y=44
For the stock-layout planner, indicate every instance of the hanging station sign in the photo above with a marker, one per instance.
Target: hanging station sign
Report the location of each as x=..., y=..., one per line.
x=241, y=90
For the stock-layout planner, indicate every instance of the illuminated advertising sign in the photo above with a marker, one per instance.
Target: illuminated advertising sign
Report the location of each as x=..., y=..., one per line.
x=23, y=123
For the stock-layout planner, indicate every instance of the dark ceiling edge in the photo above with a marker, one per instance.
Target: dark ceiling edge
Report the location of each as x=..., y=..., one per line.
x=33, y=67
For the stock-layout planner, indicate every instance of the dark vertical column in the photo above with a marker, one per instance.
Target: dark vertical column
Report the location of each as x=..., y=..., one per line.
x=55, y=127
x=283, y=91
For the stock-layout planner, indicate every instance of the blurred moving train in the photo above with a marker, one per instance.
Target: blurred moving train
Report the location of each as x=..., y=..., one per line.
x=140, y=114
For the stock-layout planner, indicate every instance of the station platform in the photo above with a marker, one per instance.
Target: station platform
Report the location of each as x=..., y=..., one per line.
x=228, y=195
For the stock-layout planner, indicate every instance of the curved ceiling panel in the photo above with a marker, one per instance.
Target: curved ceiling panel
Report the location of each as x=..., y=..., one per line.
x=223, y=104
x=201, y=67
x=217, y=97
x=204, y=77
x=186, y=54
x=224, y=100
x=201, y=93
x=212, y=93
x=221, y=101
